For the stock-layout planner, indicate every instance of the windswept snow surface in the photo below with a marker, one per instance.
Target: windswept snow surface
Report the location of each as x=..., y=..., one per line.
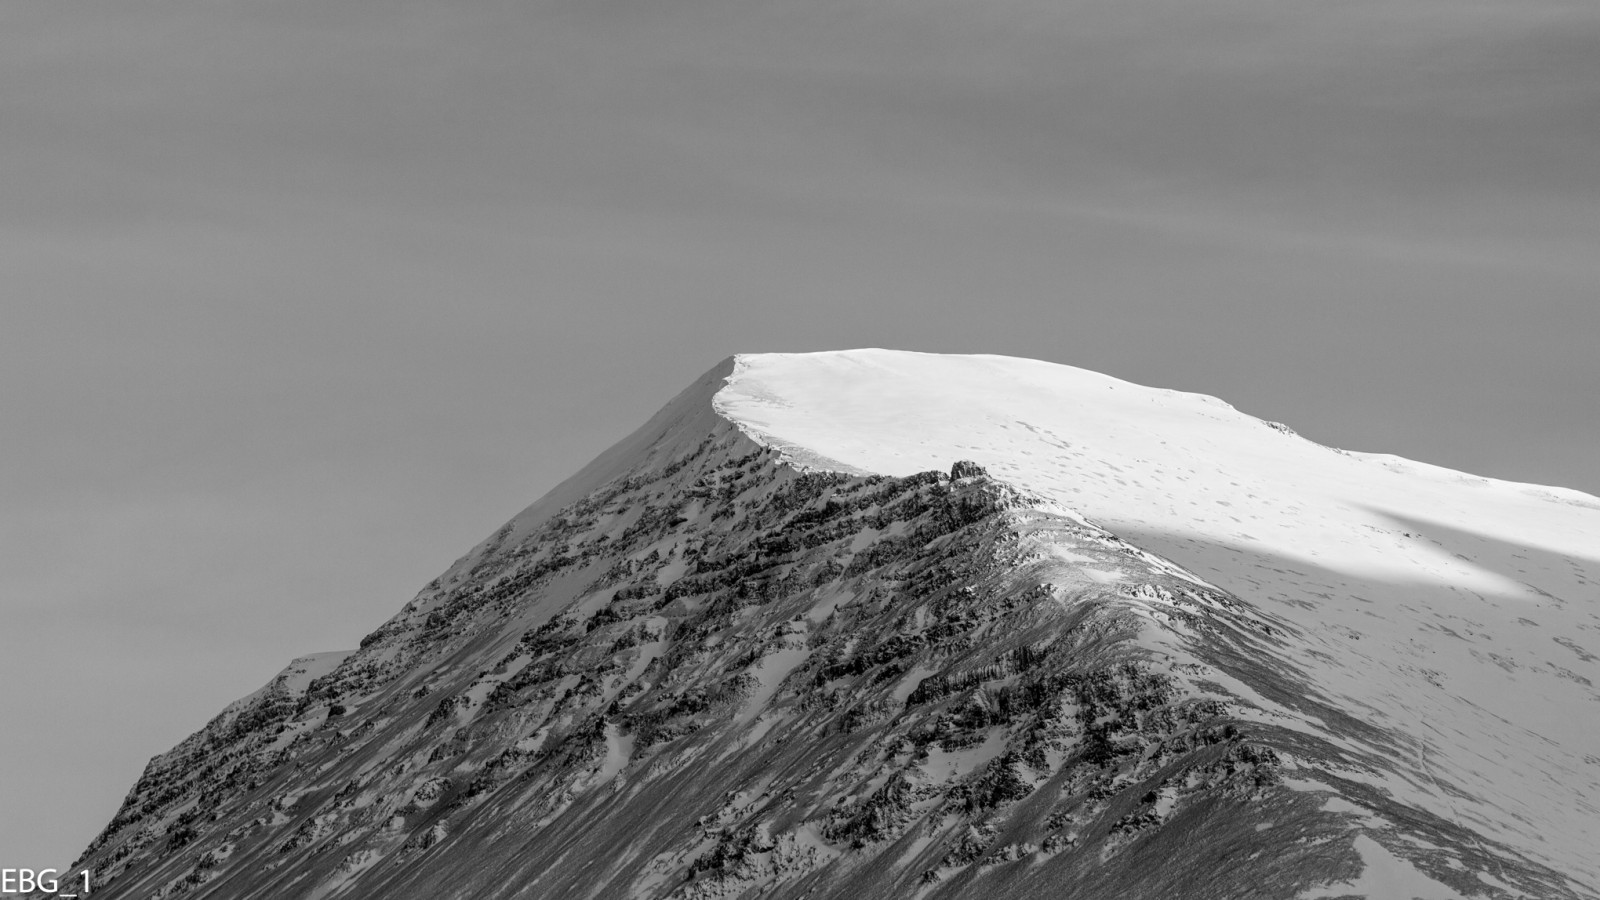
x=1458, y=611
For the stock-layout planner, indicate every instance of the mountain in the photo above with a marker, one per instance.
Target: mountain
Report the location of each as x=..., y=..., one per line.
x=874, y=624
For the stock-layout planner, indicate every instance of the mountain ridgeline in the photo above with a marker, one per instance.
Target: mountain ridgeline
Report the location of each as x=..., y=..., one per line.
x=704, y=669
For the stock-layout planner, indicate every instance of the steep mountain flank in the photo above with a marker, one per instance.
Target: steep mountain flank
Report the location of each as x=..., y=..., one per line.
x=721, y=663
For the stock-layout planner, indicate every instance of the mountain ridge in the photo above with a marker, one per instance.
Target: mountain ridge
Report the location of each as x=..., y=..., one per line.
x=777, y=484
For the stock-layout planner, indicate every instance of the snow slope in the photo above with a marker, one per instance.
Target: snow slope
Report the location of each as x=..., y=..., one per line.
x=1462, y=611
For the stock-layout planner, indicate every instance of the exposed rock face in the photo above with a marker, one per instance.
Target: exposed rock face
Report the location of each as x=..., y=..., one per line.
x=712, y=673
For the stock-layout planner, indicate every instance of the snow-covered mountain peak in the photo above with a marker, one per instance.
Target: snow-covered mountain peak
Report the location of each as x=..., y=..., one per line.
x=874, y=623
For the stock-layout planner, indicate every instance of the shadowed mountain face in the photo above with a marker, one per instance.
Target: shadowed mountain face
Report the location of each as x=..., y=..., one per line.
x=720, y=663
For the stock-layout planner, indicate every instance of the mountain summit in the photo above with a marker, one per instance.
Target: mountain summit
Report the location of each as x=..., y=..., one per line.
x=887, y=624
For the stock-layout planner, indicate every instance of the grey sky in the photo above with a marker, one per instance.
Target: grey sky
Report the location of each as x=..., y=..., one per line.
x=301, y=299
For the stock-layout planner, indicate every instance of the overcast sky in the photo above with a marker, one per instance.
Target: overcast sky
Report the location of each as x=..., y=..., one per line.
x=302, y=299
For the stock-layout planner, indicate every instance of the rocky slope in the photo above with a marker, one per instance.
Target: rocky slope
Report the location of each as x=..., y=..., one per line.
x=747, y=654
